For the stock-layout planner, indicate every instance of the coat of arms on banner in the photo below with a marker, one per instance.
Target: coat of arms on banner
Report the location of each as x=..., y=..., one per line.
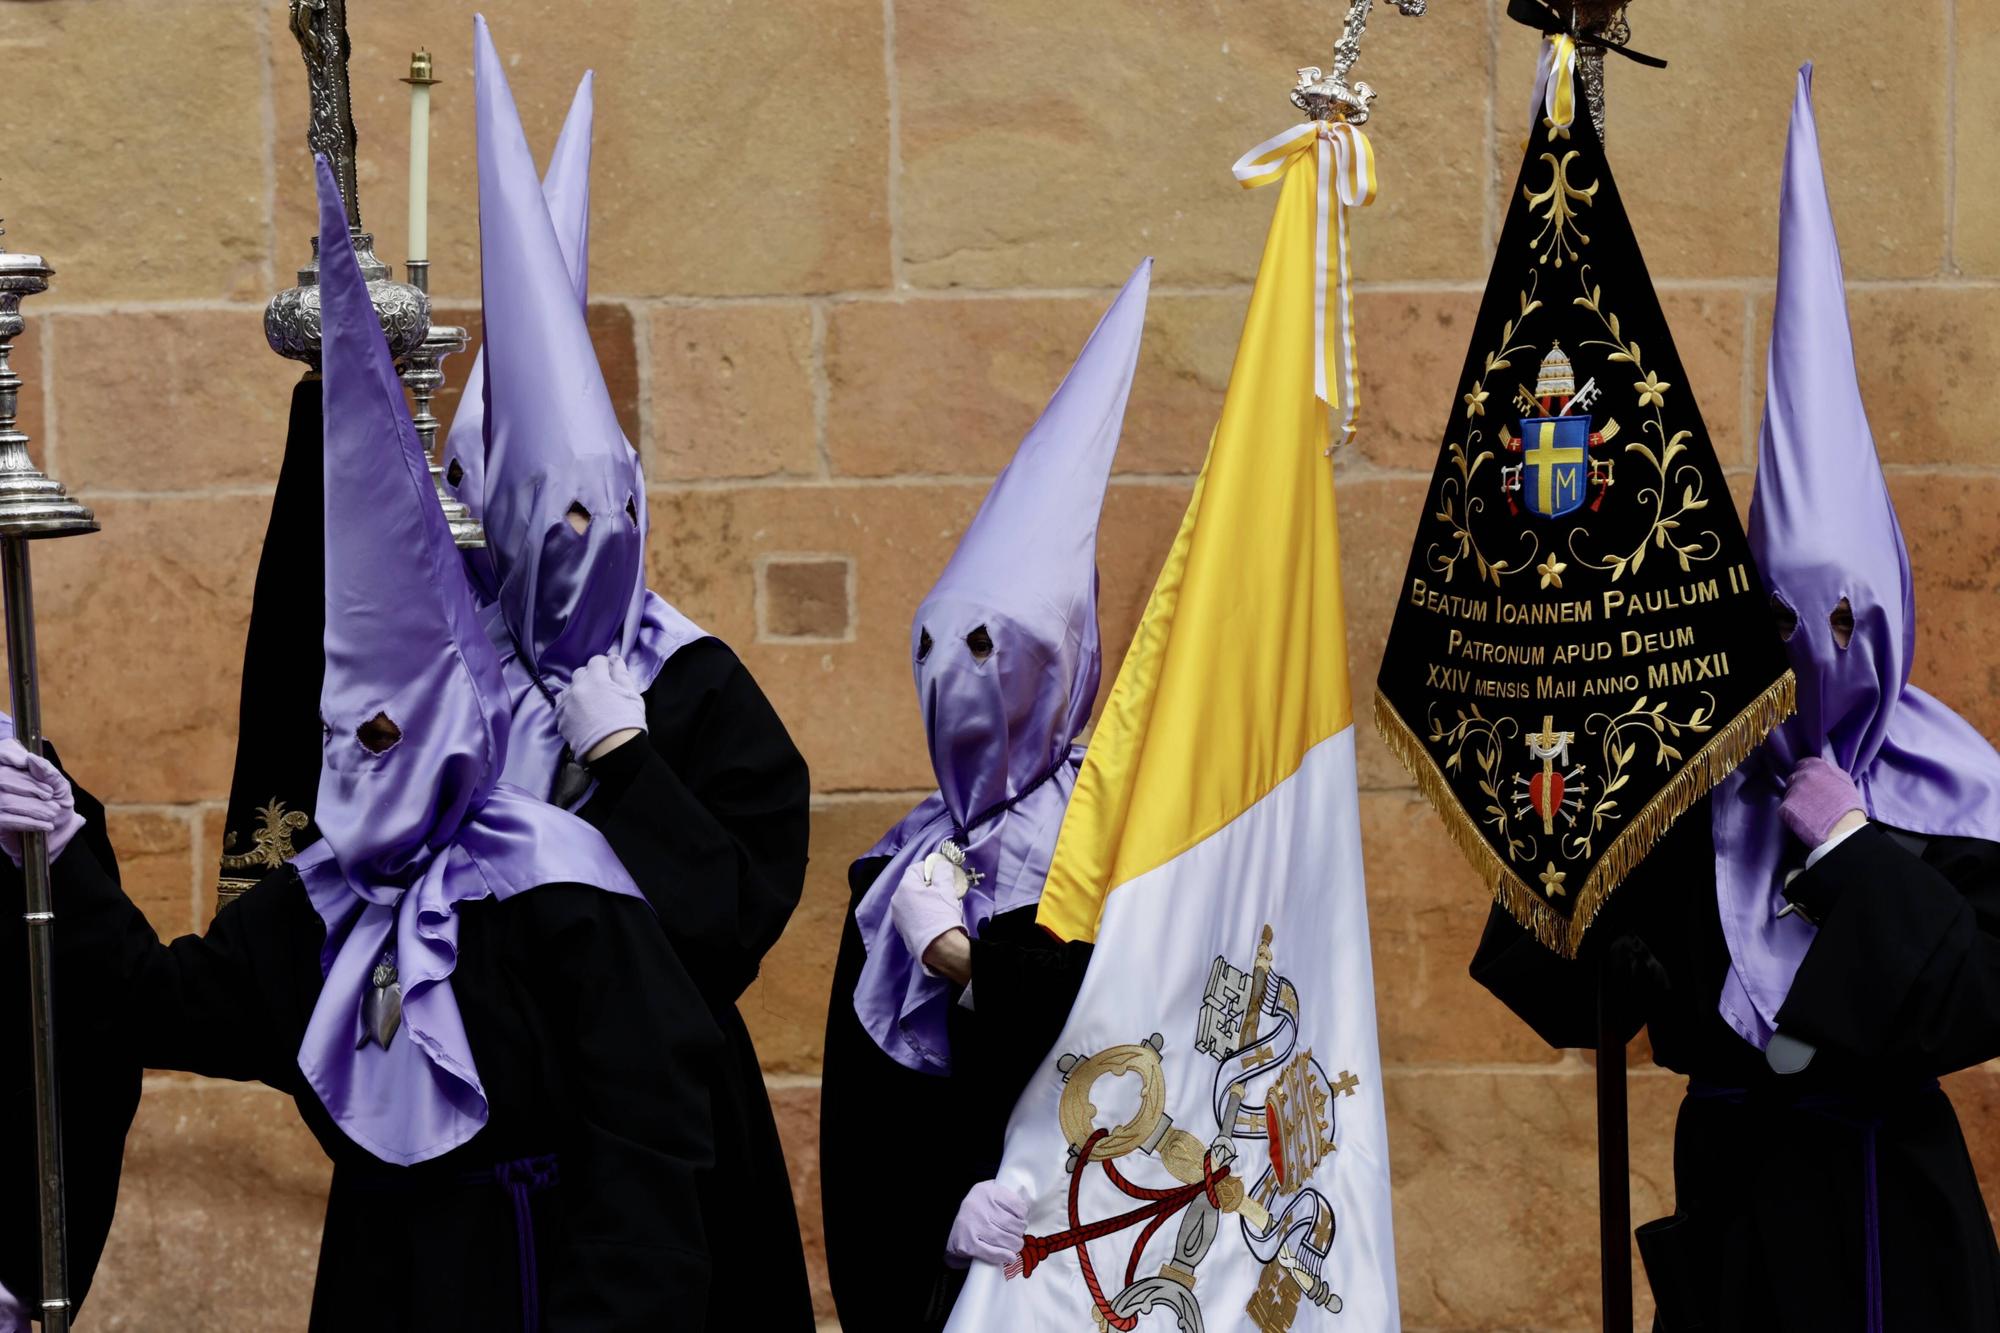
x=1269, y=1136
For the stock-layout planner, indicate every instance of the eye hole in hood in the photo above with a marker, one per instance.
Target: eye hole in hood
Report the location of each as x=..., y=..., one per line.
x=923, y=644
x=1841, y=618
x=980, y=642
x=1786, y=619
x=378, y=734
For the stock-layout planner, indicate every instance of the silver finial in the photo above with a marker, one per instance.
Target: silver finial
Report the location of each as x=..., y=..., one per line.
x=31, y=503
x=1329, y=96
x=291, y=320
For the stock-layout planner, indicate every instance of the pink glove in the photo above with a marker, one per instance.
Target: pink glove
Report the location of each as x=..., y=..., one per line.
x=991, y=1225
x=1818, y=795
x=34, y=796
x=602, y=698
x=922, y=912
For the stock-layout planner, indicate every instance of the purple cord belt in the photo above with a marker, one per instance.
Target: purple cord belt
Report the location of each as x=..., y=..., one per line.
x=1858, y=1114
x=523, y=1179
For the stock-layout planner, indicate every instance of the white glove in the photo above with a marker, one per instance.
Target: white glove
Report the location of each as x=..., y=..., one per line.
x=924, y=909
x=991, y=1226
x=34, y=797
x=602, y=700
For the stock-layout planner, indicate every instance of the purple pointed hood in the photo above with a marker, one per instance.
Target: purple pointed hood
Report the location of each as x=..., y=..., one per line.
x=1826, y=538
x=1007, y=661
x=566, y=193
x=414, y=712
x=556, y=457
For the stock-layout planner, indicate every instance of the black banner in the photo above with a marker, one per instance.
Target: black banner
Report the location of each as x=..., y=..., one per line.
x=1582, y=647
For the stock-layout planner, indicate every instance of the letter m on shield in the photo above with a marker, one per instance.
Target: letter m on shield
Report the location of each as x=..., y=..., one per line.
x=1555, y=464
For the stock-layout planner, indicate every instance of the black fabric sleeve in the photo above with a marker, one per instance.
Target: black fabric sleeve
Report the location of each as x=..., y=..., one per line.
x=709, y=813
x=1555, y=996
x=1024, y=983
x=1905, y=969
x=641, y=1055
x=97, y=1076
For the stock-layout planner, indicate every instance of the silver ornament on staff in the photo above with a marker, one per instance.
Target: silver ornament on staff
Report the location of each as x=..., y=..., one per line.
x=32, y=507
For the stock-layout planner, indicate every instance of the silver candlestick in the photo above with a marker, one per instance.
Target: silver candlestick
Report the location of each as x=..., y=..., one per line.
x=291, y=321
x=423, y=375
x=33, y=505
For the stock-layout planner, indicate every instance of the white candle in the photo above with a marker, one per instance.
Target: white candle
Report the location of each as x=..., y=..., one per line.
x=420, y=82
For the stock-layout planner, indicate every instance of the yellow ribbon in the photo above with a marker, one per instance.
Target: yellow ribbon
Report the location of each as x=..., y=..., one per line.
x=1559, y=97
x=1346, y=179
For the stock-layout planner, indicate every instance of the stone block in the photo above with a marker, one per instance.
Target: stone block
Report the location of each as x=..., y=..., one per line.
x=141, y=628
x=988, y=368
x=1517, y=1151
x=1378, y=521
x=218, y=1215
x=1426, y=910
x=849, y=704
x=714, y=176
x=805, y=598
x=180, y=400
x=1952, y=526
x=611, y=336
x=1702, y=188
x=786, y=1007
x=732, y=392
x=156, y=865
x=1921, y=354
x=1044, y=145
x=136, y=158
x=1976, y=153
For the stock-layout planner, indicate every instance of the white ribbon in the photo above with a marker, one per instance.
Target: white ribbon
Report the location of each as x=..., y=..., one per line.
x=1346, y=162
x=1555, y=82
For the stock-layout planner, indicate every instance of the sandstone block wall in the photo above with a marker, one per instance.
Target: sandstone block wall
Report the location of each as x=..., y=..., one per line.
x=842, y=251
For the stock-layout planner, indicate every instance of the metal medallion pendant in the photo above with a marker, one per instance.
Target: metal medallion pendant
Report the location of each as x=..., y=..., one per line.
x=572, y=781
x=949, y=860
x=382, y=1005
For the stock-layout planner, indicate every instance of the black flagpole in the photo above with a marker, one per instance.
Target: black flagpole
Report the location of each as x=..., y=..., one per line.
x=1614, y=1182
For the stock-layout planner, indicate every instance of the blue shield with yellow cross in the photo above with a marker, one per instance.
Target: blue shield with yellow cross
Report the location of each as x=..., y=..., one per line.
x=1555, y=464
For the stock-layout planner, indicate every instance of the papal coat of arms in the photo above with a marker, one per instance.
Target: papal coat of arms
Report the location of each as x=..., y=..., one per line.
x=1558, y=470
x=1271, y=1109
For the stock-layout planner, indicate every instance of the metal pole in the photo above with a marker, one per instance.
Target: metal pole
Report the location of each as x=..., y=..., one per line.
x=34, y=506
x=1614, y=1181
x=41, y=919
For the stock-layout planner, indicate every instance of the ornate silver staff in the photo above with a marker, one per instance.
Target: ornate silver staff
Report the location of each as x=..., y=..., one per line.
x=1324, y=96
x=291, y=320
x=33, y=506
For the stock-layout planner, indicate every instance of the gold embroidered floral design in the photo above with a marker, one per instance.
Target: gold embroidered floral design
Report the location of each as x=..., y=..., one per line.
x=1560, y=236
x=1645, y=720
x=1485, y=737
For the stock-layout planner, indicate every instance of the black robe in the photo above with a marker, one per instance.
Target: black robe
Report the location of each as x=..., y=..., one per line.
x=98, y=1097
x=711, y=818
x=595, y=1052
x=1901, y=985
x=898, y=1148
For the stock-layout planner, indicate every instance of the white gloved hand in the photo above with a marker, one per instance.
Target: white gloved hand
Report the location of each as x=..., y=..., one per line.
x=34, y=796
x=991, y=1226
x=602, y=700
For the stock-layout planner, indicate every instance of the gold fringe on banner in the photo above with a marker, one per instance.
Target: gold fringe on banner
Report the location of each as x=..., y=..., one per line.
x=1714, y=761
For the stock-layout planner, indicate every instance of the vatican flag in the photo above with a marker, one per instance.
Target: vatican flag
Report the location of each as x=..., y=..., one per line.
x=1206, y=1146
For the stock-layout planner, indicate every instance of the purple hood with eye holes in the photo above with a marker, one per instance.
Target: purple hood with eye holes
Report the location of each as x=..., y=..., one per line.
x=1007, y=661
x=1824, y=531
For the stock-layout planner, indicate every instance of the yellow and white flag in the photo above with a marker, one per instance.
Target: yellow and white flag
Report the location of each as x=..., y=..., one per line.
x=1207, y=1144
